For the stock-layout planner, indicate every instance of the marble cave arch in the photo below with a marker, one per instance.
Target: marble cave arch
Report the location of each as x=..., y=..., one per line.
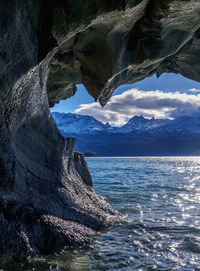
x=46, y=48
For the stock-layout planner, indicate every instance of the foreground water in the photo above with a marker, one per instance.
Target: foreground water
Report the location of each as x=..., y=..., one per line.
x=160, y=230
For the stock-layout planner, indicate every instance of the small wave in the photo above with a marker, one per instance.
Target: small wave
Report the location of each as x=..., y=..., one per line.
x=190, y=246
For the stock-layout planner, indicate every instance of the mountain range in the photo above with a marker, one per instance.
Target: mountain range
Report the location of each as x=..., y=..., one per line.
x=138, y=137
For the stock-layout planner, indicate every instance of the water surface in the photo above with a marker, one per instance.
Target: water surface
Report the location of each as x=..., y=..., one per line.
x=159, y=198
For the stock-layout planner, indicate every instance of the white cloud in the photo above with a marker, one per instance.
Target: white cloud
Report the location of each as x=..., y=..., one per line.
x=149, y=104
x=194, y=90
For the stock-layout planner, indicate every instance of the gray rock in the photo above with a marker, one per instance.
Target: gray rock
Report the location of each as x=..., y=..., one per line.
x=46, y=48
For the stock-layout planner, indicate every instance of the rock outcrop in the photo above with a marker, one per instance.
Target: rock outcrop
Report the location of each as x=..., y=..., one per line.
x=47, y=47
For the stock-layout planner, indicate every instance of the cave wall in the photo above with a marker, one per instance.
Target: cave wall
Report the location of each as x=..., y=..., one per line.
x=122, y=42
x=46, y=196
x=47, y=47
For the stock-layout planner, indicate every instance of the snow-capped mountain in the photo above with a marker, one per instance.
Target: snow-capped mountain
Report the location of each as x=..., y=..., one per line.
x=139, y=136
x=70, y=124
x=186, y=124
x=140, y=123
x=79, y=124
x=183, y=124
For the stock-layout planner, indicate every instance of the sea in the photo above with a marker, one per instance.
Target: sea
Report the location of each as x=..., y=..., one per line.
x=159, y=199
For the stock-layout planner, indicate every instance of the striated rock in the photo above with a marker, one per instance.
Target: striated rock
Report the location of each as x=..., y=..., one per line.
x=47, y=47
x=46, y=195
x=47, y=200
x=124, y=42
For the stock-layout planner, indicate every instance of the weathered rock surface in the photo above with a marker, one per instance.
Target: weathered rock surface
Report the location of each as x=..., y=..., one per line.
x=47, y=47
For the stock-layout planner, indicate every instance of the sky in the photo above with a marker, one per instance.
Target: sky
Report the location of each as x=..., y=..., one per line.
x=168, y=96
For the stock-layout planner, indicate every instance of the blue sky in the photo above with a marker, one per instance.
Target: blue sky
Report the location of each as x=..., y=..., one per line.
x=175, y=95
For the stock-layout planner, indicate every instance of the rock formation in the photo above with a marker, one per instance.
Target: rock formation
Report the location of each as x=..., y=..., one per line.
x=47, y=47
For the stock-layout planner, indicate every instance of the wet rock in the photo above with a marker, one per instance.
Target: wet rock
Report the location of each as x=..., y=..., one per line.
x=81, y=167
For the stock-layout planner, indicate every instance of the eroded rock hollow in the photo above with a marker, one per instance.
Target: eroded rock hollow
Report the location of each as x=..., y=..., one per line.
x=46, y=48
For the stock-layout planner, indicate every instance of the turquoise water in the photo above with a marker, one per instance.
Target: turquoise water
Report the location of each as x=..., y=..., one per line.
x=159, y=198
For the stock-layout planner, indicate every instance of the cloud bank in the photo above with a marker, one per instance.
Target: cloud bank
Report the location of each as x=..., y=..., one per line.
x=149, y=104
x=194, y=90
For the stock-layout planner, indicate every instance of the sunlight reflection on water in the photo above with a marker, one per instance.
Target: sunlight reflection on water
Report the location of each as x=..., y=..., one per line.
x=160, y=200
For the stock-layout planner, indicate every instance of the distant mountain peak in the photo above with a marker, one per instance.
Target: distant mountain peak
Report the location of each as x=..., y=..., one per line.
x=137, y=117
x=139, y=136
x=75, y=124
x=107, y=124
x=79, y=124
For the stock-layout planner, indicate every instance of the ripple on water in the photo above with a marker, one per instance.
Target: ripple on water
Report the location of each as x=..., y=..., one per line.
x=160, y=228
